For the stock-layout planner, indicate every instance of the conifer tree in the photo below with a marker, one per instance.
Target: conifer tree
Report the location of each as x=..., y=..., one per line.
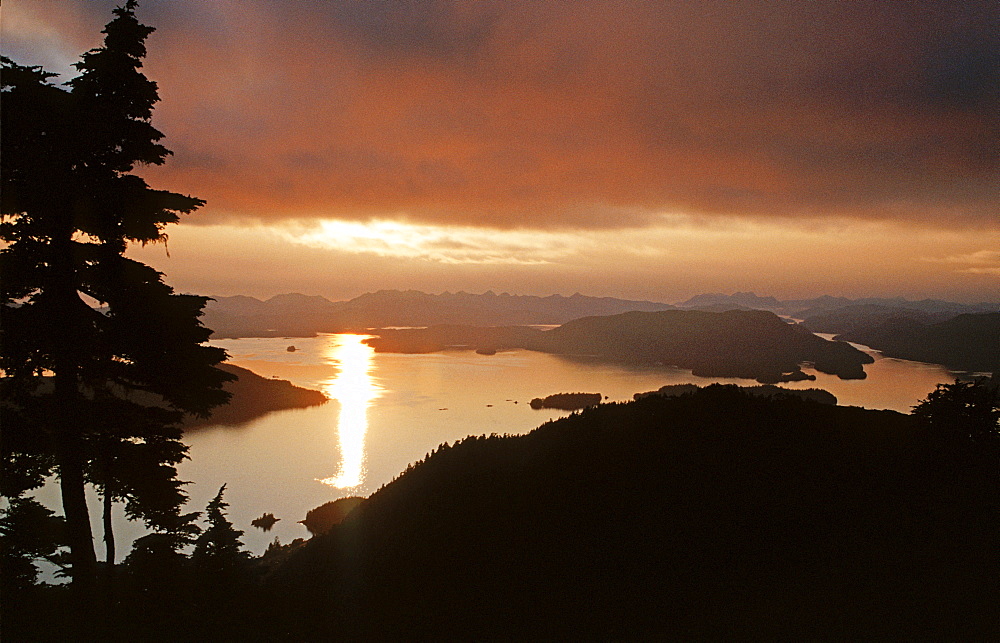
x=967, y=410
x=218, y=552
x=28, y=532
x=104, y=329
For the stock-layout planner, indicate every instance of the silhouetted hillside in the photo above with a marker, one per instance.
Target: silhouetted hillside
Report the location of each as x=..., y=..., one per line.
x=850, y=319
x=321, y=519
x=750, y=344
x=255, y=396
x=710, y=516
x=296, y=315
x=969, y=342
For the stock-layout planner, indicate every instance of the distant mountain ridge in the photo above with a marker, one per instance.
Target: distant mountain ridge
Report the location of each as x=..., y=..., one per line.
x=802, y=308
x=739, y=299
x=296, y=315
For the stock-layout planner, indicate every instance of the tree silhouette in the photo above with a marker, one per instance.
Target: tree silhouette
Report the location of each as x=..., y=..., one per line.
x=157, y=564
x=138, y=472
x=86, y=332
x=28, y=532
x=218, y=557
x=965, y=410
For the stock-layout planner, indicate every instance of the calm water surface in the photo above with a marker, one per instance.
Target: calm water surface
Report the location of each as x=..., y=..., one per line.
x=388, y=410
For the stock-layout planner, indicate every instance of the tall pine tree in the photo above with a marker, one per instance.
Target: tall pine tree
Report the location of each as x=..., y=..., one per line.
x=100, y=357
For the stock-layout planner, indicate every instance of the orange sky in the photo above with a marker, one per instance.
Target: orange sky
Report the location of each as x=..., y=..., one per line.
x=653, y=149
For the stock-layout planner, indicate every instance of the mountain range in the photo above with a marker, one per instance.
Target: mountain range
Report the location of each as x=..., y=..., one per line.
x=803, y=308
x=296, y=315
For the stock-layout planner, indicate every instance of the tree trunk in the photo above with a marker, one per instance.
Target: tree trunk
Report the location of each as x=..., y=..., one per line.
x=74, y=499
x=109, y=530
x=68, y=418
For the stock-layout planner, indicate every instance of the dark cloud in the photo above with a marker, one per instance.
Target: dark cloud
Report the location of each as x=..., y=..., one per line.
x=439, y=28
x=549, y=114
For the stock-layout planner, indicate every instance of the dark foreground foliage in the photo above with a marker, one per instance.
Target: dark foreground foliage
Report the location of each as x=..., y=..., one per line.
x=714, y=515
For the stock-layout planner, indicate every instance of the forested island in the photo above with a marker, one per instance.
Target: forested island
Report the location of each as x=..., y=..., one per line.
x=566, y=401
x=765, y=390
x=750, y=344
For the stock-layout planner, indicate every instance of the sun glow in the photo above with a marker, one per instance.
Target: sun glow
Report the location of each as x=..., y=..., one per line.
x=355, y=389
x=443, y=244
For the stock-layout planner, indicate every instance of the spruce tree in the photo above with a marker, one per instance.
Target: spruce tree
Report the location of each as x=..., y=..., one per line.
x=87, y=332
x=218, y=556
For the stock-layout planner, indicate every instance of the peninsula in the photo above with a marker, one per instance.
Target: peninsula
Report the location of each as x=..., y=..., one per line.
x=254, y=396
x=750, y=344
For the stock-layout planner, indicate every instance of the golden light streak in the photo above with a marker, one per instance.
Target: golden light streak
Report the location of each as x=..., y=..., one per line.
x=440, y=243
x=355, y=389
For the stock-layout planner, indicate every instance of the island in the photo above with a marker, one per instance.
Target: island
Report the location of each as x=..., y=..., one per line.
x=566, y=401
x=751, y=344
x=764, y=390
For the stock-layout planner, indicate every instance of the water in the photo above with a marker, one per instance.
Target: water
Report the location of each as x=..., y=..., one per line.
x=389, y=410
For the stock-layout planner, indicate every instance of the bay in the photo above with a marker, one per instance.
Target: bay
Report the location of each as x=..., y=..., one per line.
x=389, y=410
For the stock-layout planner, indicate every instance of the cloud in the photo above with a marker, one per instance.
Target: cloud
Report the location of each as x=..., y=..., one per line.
x=980, y=257
x=517, y=114
x=980, y=262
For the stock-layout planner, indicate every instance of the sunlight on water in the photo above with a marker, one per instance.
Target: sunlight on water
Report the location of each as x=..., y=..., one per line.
x=355, y=388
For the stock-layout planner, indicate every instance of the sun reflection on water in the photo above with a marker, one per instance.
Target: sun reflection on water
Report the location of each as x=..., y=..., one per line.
x=354, y=388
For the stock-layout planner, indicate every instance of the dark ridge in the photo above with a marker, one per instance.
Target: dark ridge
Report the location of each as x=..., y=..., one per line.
x=850, y=319
x=711, y=516
x=968, y=342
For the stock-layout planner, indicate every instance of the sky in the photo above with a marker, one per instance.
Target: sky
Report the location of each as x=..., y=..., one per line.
x=639, y=149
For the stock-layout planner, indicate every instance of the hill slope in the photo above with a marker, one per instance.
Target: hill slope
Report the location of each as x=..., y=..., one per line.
x=968, y=342
x=707, y=516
